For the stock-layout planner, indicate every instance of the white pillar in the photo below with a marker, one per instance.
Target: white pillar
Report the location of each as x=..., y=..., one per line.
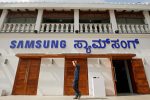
x=76, y=20
x=39, y=20
x=147, y=18
x=113, y=20
x=3, y=17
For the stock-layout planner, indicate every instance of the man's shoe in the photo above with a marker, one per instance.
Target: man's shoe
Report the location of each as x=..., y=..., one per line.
x=76, y=97
x=79, y=96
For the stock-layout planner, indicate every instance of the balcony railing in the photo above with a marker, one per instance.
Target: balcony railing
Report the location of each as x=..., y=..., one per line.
x=18, y=27
x=69, y=28
x=95, y=28
x=57, y=27
x=133, y=28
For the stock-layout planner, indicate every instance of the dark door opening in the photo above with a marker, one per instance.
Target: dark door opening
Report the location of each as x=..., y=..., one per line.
x=122, y=76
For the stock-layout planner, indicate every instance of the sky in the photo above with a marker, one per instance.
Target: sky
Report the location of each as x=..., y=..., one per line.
x=96, y=1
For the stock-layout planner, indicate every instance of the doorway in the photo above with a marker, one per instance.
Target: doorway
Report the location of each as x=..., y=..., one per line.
x=69, y=76
x=122, y=77
x=27, y=75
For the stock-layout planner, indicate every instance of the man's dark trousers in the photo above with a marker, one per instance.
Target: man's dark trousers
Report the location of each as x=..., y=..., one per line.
x=76, y=87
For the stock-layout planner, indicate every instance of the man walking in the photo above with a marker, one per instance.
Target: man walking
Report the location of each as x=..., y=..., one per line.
x=76, y=79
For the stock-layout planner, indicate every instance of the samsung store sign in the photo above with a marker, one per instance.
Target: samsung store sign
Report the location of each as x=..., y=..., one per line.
x=77, y=44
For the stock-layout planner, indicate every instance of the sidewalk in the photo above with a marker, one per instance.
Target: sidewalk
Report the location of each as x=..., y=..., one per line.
x=135, y=97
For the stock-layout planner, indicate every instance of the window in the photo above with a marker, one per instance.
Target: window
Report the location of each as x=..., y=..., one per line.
x=48, y=20
x=58, y=16
x=132, y=17
x=21, y=17
x=94, y=21
x=20, y=20
x=130, y=21
x=94, y=17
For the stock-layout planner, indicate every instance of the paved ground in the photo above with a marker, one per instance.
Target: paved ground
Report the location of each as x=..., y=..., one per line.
x=135, y=97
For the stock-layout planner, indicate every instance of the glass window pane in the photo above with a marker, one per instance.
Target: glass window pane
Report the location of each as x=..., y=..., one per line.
x=135, y=21
x=121, y=20
x=30, y=20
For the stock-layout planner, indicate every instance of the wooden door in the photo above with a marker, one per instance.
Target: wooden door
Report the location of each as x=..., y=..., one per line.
x=69, y=76
x=20, y=83
x=33, y=77
x=139, y=78
x=27, y=75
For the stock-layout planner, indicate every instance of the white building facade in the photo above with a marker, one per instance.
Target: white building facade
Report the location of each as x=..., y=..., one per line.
x=107, y=39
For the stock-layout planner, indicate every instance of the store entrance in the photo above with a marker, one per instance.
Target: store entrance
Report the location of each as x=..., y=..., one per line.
x=69, y=76
x=122, y=77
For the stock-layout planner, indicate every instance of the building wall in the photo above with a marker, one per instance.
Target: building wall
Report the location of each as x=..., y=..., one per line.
x=101, y=67
x=51, y=79
x=7, y=71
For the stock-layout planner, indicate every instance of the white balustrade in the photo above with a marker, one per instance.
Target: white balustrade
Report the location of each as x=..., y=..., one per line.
x=67, y=28
x=18, y=27
x=95, y=28
x=142, y=29
x=13, y=27
x=32, y=27
x=133, y=28
x=22, y=27
x=86, y=27
x=62, y=28
x=57, y=27
x=128, y=28
x=9, y=28
x=4, y=28
x=124, y=28
x=81, y=28
x=71, y=29
x=27, y=28
x=146, y=28
x=105, y=28
x=100, y=28
x=52, y=27
x=91, y=27
x=109, y=28
x=47, y=27
x=120, y=28
x=42, y=28
x=137, y=29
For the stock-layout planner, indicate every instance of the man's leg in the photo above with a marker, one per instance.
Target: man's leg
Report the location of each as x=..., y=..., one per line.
x=76, y=89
